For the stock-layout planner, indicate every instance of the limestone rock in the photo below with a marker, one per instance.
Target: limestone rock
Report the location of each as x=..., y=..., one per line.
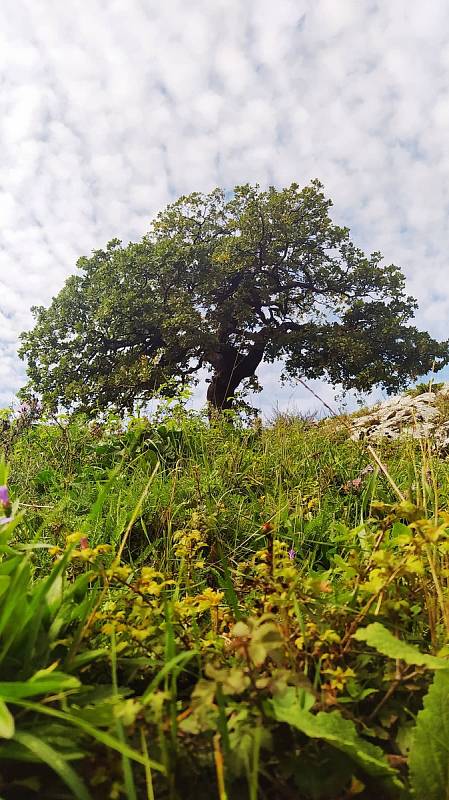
x=405, y=415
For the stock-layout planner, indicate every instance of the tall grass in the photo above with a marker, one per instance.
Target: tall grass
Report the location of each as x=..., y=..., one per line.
x=179, y=604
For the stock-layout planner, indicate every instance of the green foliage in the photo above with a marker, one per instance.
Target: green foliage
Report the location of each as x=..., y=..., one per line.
x=341, y=733
x=217, y=611
x=422, y=388
x=377, y=636
x=42, y=624
x=429, y=755
x=225, y=283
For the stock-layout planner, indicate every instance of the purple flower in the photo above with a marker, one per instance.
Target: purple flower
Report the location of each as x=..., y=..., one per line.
x=292, y=553
x=5, y=520
x=4, y=496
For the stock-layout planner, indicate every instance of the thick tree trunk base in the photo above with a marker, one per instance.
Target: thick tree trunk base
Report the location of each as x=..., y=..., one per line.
x=231, y=368
x=220, y=393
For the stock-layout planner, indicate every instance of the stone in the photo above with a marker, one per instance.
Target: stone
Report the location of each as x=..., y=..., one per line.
x=405, y=415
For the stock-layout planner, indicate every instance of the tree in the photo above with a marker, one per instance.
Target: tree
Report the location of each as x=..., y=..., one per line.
x=226, y=282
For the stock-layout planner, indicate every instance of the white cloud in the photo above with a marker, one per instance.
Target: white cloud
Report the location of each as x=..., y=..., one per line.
x=110, y=112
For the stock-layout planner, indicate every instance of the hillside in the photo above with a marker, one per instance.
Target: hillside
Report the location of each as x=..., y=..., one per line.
x=225, y=612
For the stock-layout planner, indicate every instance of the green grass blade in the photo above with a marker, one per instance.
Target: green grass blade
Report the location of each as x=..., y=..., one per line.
x=128, y=776
x=95, y=733
x=56, y=762
x=7, y=725
x=180, y=659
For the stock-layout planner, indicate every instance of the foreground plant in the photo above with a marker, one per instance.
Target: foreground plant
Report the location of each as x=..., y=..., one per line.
x=50, y=719
x=220, y=612
x=284, y=679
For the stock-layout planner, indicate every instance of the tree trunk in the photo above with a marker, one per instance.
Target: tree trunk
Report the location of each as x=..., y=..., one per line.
x=230, y=369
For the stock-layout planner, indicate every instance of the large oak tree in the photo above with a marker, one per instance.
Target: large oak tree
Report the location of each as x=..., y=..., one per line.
x=226, y=282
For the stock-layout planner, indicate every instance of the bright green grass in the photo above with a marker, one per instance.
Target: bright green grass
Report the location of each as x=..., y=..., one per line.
x=140, y=680
x=290, y=473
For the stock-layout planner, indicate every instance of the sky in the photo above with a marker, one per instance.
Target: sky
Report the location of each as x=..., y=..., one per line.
x=110, y=110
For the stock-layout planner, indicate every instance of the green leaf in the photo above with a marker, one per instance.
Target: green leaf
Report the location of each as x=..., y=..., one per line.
x=227, y=585
x=377, y=636
x=38, y=685
x=55, y=594
x=429, y=753
x=14, y=599
x=89, y=655
x=56, y=762
x=6, y=722
x=5, y=580
x=337, y=731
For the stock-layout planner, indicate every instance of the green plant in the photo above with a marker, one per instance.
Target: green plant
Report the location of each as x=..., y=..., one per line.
x=422, y=388
x=45, y=709
x=220, y=611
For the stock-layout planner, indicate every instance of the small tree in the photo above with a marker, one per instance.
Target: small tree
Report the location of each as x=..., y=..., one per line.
x=225, y=283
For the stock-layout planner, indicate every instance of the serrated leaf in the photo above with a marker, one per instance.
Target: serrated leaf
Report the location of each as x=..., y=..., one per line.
x=339, y=732
x=379, y=637
x=429, y=753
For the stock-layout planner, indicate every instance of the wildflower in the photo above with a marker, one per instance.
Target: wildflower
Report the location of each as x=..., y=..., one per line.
x=4, y=496
x=292, y=553
x=4, y=520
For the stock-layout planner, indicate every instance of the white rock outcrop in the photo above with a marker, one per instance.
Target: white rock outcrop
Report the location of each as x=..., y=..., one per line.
x=405, y=415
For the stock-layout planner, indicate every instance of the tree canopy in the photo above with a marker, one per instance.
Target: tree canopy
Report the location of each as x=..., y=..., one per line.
x=226, y=282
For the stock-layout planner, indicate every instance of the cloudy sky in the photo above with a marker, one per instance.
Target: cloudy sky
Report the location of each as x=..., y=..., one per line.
x=111, y=109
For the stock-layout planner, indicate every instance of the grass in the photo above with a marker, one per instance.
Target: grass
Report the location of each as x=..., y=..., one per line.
x=187, y=611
